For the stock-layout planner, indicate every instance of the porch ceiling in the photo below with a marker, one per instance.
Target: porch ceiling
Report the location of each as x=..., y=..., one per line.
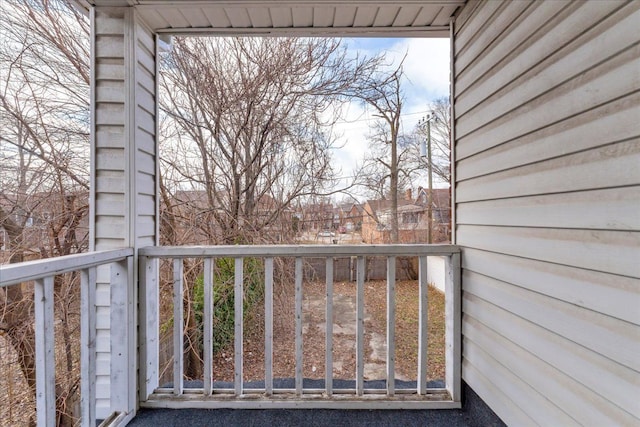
x=412, y=18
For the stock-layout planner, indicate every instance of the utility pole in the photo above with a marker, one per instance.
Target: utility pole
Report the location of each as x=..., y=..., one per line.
x=426, y=152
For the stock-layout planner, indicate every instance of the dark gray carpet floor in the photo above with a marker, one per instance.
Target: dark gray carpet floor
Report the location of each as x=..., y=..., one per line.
x=474, y=413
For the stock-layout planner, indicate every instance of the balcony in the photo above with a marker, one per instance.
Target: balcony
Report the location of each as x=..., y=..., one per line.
x=331, y=392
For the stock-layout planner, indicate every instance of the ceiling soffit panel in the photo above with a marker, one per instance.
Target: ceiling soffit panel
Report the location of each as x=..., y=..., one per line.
x=425, y=18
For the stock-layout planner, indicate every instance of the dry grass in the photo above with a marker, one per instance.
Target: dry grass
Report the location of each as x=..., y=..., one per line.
x=406, y=341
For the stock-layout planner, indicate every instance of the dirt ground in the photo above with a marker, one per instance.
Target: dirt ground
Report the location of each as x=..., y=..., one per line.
x=344, y=344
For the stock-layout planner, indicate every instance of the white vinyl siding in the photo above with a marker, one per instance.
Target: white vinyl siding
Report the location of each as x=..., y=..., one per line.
x=547, y=106
x=124, y=160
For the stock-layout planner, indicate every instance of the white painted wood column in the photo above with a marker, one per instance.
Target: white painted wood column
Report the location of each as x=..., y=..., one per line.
x=123, y=197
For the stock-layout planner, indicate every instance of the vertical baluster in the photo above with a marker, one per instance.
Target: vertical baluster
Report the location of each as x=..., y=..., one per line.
x=238, y=318
x=207, y=339
x=88, y=347
x=422, y=324
x=298, y=343
x=391, y=324
x=178, y=327
x=45, y=357
x=360, y=273
x=453, y=319
x=268, y=326
x=329, y=327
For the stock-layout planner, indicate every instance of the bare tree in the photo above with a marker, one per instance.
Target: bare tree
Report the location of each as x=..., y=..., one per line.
x=382, y=91
x=246, y=129
x=44, y=87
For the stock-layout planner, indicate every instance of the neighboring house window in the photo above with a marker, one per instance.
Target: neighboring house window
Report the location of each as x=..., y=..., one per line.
x=410, y=218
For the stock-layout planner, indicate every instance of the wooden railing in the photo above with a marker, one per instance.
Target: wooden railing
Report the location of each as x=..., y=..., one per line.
x=42, y=274
x=239, y=395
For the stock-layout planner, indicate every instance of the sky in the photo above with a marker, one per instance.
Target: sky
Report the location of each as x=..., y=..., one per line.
x=426, y=68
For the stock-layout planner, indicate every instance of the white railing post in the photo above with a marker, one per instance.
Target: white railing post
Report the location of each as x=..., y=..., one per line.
x=122, y=333
x=268, y=326
x=45, y=356
x=391, y=325
x=207, y=316
x=423, y=324
x=298, y=327
x=88, y=347
x=148, y=329
x=329, y=327
x=238, y=305
x=453, y=321
x=360, y=274
x=178, y=327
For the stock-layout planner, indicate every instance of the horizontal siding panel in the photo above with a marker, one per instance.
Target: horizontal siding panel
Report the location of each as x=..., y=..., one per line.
x=110, y=204
x=103, y=364
x=609, y=123
x=103, y=320
x=145, y=184
x=608, y=209
x=109, y=22
x=110, y=159
x=494, y=396
x=146, y=205
x=569, y=24
x=146, y=81
x=111, y=91
x=603, y=84
x=110, y=70
x=615, y=252
x=612, y=295
x=110, y=136
x=145, y=141
x=103, y=390
x=475, y=24
x=530, y=400
x=568, y=63
x=145, y=228
x=145, y=59
x=110, y=228
x=587, y=407
x=110, y=184
x=509, y=17
x=610, y=166
x=111, y=114
x=146, y=163
x=145, y=101
x=613, y=381
x=103, y=337
x=109, y=47
x=107, y=243
x=146, y=37
x=538, y=20
x=607, y=336
x=145, y=121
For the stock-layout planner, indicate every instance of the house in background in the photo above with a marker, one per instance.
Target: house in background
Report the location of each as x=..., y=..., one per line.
x=413, y=218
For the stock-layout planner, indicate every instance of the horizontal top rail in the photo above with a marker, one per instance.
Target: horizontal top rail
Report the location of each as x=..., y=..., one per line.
x=299, y=250
x=12, y=274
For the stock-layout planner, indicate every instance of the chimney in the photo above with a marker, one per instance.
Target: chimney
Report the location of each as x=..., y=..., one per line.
x=407, y=194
